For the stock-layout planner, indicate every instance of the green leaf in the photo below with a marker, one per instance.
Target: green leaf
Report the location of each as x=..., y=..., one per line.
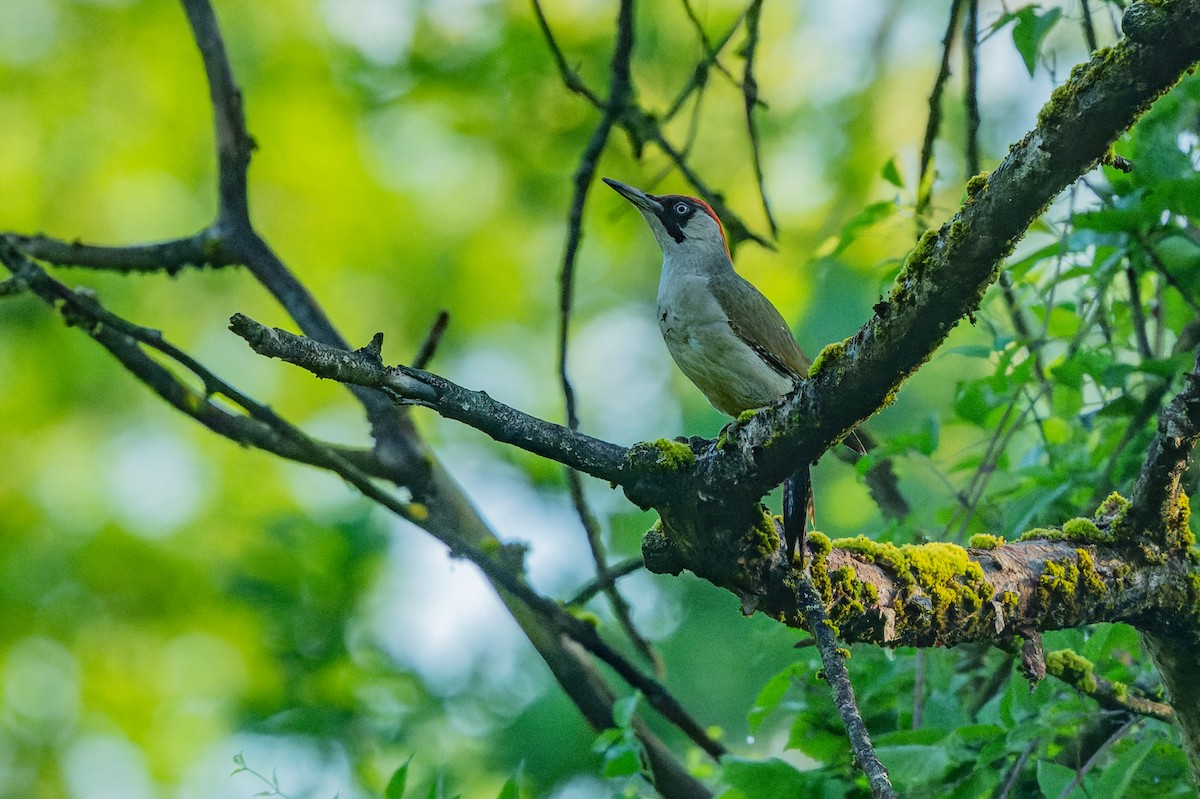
x=916, y=765
x=1030, y=30
x=607, y=739
x=1053, y=779
x=624, y=761
x=764, y=779
x=891, y=173
x=772, y=694
x=1117, y=776
x=624, y=708
x=868, y=217
x=509, y=791
x=399, y=780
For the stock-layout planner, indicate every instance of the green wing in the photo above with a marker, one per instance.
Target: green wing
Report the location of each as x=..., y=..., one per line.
x=762, y=327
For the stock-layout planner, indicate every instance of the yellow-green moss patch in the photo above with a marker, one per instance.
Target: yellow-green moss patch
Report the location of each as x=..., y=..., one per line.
x=1073, y=669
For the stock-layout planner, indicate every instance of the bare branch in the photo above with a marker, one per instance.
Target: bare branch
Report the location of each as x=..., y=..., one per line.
x=933, y=126
x=971, y=89
x=234, y=144
x=570, y=77
x=750, y=102
x=434, y=337
x=612, y=574
x=203, y=249
x=413, y=386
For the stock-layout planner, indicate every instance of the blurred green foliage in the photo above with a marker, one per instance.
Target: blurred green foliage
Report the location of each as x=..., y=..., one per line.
x=168, y=600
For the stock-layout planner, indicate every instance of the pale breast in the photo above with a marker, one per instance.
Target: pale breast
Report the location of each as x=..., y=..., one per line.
x=726, y=370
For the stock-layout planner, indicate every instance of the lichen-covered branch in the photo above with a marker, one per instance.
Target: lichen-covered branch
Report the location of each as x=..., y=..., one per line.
x=1079, y=672
x=833, y=659
x=945, y=276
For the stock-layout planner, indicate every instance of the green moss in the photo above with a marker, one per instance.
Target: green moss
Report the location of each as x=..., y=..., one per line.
x=819, y=543
x=880, y=553
x=1073, y=669
x=938, y=562
x=1179, y=533
x=976, y=184
x=1056, y=590
x=835, y=351
x=1068, y=587
x=765, y=539
x=747, y=415
x=1077, y=529
x=1080, y=528
x=1089, y=578
x=1111, y=515
x=985, y=541
x=942, y=589
x=672, y=454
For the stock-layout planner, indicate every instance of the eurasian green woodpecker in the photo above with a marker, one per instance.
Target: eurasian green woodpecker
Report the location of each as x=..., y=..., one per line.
x=725, y=336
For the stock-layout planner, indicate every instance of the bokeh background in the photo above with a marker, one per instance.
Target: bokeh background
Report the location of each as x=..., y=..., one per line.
x=169, y=600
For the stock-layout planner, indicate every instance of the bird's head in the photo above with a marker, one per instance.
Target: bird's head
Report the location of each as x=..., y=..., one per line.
x=684, y=227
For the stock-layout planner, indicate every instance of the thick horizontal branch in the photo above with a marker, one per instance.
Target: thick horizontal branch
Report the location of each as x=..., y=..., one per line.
x=942, y=594
x=414, y=386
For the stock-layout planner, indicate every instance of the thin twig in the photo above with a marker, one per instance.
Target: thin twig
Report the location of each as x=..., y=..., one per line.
x=834, y=662
x=1138, y=313
x=712, y=51
x=750, y=102
x=570, y=77
x=1089, y=31
x=934, y=125
x=583, y=632
x=1014, y=773
x=202, y=249
x=971, y=90
x=413, y=386
x=234, y=144
x=1083, y=771
x=432, y=339
x=612, y=574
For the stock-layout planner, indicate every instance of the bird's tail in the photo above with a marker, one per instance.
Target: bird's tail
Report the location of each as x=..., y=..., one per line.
x=797, y=508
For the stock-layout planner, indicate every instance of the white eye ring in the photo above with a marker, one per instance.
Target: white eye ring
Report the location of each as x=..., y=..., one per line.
x=681, y=208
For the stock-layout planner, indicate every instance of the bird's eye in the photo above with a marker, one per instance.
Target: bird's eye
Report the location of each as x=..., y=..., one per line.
x=681, y=208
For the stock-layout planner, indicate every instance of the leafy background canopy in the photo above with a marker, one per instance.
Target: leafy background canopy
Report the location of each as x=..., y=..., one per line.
x=168, y=600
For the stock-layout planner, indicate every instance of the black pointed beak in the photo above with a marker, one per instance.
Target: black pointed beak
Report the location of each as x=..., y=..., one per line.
x=641, y=199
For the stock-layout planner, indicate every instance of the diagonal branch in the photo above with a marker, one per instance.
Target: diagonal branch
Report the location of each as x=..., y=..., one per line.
x=265, y=429
x=945, y=276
